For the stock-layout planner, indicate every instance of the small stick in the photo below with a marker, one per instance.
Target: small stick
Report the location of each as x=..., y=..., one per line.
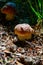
x=29, y=43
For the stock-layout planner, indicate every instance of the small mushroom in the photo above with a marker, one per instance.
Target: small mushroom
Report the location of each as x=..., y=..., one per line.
x=23, y=31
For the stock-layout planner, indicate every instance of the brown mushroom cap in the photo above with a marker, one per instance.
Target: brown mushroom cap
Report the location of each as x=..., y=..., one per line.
x=24, y=27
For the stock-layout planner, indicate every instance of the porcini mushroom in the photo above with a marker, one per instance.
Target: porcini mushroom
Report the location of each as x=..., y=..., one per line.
x=23, y=31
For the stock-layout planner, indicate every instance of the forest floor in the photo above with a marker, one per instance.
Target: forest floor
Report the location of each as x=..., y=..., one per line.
x=13, y=52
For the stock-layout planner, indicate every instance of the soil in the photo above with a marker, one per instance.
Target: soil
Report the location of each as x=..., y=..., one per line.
x=16, y=52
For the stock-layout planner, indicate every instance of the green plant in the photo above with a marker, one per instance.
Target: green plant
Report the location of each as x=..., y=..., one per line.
x=39, y=9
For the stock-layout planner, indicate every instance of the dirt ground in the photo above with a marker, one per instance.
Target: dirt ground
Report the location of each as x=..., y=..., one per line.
x=16, y=52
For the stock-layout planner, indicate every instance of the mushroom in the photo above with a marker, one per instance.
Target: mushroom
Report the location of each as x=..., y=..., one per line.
x=9, y=9
x=23, y=31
